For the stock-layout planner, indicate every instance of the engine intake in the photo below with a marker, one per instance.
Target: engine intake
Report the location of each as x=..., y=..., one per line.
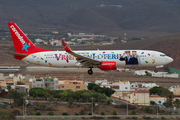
x=108, y=65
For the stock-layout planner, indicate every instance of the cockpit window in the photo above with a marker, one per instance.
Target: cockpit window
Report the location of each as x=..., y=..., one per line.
x=162, y=55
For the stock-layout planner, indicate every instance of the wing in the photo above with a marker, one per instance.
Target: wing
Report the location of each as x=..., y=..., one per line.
x=84, y=61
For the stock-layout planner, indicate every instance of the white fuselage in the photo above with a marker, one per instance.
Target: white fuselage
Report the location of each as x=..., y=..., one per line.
x=63, y=59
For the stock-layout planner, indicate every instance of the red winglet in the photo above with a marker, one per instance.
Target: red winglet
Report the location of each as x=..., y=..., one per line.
x=66, y=48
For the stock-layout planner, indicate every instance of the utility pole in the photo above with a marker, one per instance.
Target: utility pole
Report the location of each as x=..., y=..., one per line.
x=157, y=109
x=106, y=102
x=25, y=104
x=92, y=104
x=23, y=107
x=127, y=107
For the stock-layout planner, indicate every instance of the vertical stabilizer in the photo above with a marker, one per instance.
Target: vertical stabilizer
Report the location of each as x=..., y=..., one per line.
x=21, y=42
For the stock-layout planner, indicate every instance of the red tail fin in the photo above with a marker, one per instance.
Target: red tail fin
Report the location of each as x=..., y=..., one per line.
x=21, y=42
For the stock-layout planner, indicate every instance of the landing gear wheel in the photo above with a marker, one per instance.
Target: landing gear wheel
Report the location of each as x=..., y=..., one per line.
x=155, y=71
x=90, y=72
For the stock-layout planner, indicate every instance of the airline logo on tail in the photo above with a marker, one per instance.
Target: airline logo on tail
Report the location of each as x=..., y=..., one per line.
x=24, y=44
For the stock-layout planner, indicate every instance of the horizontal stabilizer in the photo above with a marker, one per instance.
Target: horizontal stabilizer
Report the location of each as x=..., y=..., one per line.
x=17, y=54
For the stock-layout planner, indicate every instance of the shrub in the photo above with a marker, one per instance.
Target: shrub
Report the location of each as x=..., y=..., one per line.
x=115, y=118
x=133, y=112
x=7, y=115
x=109, y=100
x=38, y=113
x=95, y=118
x=81, y=112
x=50, y=113
x=163, y=118
x=102, y=113
x=144, y=117
x=64, y=113
x=162, y=111
x=15, y=112
x=147, y=110
x=114, y=113
x=131, y=107
x=123, y=106
x=76, y=114
x=50, y=108
x=90, y=113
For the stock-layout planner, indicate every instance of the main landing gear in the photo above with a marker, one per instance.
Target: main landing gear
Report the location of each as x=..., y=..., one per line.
x=90, y=72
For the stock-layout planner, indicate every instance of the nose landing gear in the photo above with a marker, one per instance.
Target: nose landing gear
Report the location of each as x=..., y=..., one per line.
x=90, y=72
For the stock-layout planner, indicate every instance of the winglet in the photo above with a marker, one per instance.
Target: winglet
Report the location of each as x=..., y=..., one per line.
x=66, y=48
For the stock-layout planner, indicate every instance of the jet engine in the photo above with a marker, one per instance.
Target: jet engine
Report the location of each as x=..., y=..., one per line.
x=108, y=65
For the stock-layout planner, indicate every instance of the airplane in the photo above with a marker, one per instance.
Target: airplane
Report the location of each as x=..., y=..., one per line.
x=106, y=60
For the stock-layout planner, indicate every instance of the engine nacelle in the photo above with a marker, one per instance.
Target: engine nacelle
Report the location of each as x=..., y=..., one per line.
x=108, y=65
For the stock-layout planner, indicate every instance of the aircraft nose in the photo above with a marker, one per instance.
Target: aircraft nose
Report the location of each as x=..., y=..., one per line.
x=169, y=59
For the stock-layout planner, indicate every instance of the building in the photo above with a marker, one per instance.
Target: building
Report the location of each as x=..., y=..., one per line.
x=73, y=84
x=38, y=40
x=49, y=83
x=27, y=83
x=86, y=83
x=9, y=69
x=118, y=86
x=171, y=75
x=134, y=85
x=99, y=82
x=21, y=88
x=157, y=99
x=85, y=35
x=172, y=87
x=123, y=96
x=139, y=97
x=3, y=84
x=123, y=85
x=176, y=91
x=38, y=83
x=156, y=74
x=9, y=81
x=137, y=86
x=149, y=85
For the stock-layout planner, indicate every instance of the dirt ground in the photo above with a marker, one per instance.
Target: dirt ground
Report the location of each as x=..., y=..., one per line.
x=58, y=110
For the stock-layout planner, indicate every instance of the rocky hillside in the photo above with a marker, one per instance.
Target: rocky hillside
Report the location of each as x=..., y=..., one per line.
x=139, y=18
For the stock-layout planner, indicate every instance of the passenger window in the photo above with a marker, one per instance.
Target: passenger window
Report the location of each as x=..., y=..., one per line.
x=162, y=55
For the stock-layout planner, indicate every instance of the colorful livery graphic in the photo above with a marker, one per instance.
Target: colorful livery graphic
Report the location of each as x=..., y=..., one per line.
x=105, y=60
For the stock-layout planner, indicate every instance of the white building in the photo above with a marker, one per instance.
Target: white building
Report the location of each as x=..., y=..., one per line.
x=172, y=87
x=171, y=75
x=118, y=87
x=149, y=85
x=86, y=83
x=99, y=82
x=38, y=40
x=141, y=72
x=156, y=74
